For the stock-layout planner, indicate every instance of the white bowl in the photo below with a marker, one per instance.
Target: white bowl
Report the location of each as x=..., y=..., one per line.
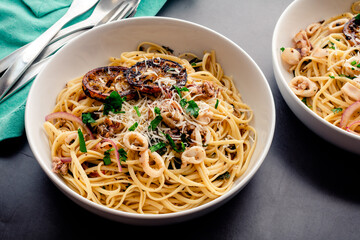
x=297, y=16
x=94, y=48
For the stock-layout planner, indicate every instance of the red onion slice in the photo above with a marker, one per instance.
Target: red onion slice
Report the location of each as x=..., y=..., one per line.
x=351, y=124
x=116, y=152
x=348, y=113
x=65, y=159
x=71, y=117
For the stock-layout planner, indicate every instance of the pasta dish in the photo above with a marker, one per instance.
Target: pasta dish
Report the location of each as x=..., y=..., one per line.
x=151, y=133
x=325, y=61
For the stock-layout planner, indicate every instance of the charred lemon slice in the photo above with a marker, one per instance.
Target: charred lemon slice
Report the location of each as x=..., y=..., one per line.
x=152, y=75
x=100, y=82
x=352, y=30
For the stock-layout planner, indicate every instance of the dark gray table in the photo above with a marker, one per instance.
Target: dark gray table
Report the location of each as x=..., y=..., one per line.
x=298, y=193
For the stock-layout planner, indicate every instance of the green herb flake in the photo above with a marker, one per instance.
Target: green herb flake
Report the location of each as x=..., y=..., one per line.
x=107, y=159
x=173, y=145
x=82, y=141
x=193, y=108
x=157, y=146
x=137, y=111
x=157, y=110
x=353, y=63
x=134, y=126
x=217, y=103
x=357, y=19
x=331, y=76
x=282, y=49
x=87, y=118
x=122, y=155
x=336, y=110
x=305, y=102
x=223, y=176
x=183, y=102
x=113, y=103
x=179, y=90
x=154, y=123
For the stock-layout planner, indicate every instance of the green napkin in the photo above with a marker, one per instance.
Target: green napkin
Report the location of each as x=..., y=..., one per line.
x=21, y=22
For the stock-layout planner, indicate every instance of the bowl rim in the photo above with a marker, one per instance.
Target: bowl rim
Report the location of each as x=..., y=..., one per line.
x=118, y=213
x=277, y=68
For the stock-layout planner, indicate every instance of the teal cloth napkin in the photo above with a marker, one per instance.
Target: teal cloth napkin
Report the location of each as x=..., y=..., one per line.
x=22, y=21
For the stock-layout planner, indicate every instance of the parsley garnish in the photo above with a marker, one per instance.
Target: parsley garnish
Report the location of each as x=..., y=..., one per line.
x=157, y=146
x=353, y=63
x=357, y=19
x=87, y=118
x=331, y=76
x=347, y=76
x=336, y=110
x=107, y=159
x=305, y=102
x=123, y=155
x=282, y=49
x=154, y=123
x=332, y=45
x=217, y=103
x=134, y=126
x=183, y=102
x=137, y=111
x=193, y=108
x=113, y=103
x=173, y=145
x=82, y=141
x=223, y=176
x=179, y=90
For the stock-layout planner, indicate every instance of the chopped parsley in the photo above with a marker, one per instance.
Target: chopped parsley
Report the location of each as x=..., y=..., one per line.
x=122, y=155
x=87, y=118
x=223, y=176
x=134, y=126
x=82, y=141
x=217, y=103
x=332, y=45
x=331, y=76
x=183, y=102
x=357, y=19
x=107, y=159
x=113, y=103
x=336, y=110
x=305, y=102
x=137, y=111
x=179, y=90
x=173, y=145
x=353, y=63
x=154, y=123
x=157, y=146
x=193, y=108
x=347, y=76
x=282, y=49
x=194, y=62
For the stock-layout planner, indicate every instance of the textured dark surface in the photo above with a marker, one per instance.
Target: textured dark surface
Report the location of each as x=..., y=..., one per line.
x=305, y=189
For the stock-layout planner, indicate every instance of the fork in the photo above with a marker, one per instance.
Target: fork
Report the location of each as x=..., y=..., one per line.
x=122, y=11
x=24, y=60
x=100, y=11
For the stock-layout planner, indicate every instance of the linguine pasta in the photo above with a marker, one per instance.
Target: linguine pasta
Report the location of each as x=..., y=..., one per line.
x=160, y=152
